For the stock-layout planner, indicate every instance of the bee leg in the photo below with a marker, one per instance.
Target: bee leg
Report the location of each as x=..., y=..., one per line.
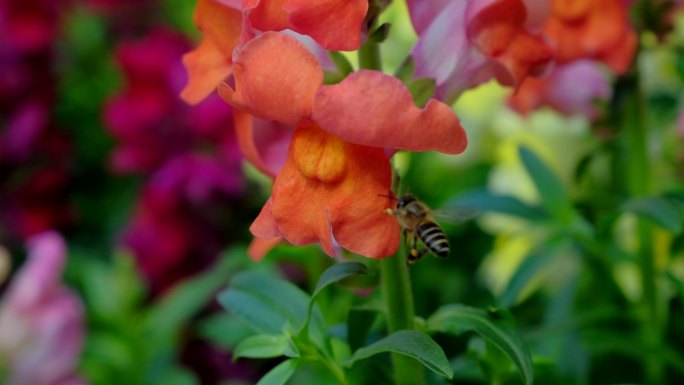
x=414, y=253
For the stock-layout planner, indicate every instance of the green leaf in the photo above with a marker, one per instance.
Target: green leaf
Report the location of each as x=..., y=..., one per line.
x=422, y=90
x=337, y=273
x=268, y=304
x=526, y=271
x=405, y=70
x=280, y=374
x=380, y=34
x=494, y=325
x=331, y=275
x=359, y=323
x=553, y=195
x=502, y=204
x=223, y=330
x=410, y=343
x=185, y=300
x=342, y=63
x=662, y=211
x=261, y=346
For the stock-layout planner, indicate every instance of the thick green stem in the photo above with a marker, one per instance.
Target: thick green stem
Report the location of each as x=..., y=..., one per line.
x=639, y=185
x=398, y=297
x=369, y=56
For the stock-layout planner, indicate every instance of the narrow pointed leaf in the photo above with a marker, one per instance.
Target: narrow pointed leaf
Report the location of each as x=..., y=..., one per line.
x=496, y=326
x=659, y=210
x=337, y=273
x=502, y=204
x=261, y=346
x=342, y=63
x=405, y=70
x=554, y=197
x=280, y=374
x=410, y=343
x=185, y=300
x=268, y=303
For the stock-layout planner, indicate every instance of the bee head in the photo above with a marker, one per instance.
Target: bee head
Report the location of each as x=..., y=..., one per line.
x=405, y=200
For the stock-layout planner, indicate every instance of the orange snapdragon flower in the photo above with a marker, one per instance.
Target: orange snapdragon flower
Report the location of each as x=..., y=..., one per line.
x=337, y=169
x=334, y=24
x=592, y=29
x=499, y=31
x=210, y=63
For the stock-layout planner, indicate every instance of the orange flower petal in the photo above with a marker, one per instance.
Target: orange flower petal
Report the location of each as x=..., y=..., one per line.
x=596, y=29
x=210, y=63
x=330, y=188
x=334, y=24
x=374, y=109
x=267, y=15
x=259, y=247
x=207, y=67
x=276, y=78
x=265, y=226
x=499, y=32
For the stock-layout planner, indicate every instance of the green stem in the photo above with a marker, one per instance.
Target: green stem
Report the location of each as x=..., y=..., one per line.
x=398, y=297
x=639, y=185
x=396, y=283
x=369, y=56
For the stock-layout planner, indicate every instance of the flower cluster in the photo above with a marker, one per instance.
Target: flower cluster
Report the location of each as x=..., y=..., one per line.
x=41, y=321
x=188, y=154
x=591, y=40
x=34, y=154
x=264, y=56
x=332, y=184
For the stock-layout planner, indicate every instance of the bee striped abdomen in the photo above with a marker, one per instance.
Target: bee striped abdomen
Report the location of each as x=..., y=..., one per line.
x=434, y=238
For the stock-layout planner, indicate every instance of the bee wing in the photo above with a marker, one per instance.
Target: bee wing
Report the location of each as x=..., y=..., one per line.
x=455, y=214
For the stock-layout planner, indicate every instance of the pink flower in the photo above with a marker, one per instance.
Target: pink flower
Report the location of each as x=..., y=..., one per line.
x=571, y=89
x=41, y=321
x=464, y=43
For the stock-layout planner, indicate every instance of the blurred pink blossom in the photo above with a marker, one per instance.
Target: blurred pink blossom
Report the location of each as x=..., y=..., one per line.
x=30, y=24
x=571, y=89
x=462, y=44
x=41, y=321
x=189, y=155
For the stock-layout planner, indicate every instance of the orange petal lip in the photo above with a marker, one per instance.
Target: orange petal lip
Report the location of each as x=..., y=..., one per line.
x=374, y=109
x=276, y=78
x=306, y=208
x=334, y=24
x=210, y=63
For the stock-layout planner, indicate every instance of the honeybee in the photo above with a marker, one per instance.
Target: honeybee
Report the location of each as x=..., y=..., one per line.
x=418, y=222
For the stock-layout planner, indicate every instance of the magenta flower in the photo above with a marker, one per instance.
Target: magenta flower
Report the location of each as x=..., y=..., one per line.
x=190, y=157
x=41, y=321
